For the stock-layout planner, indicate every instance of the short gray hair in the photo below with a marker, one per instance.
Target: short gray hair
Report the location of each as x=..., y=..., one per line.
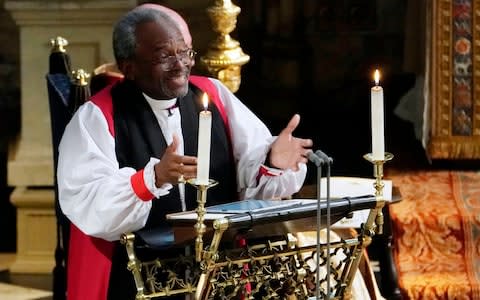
x=124, y=39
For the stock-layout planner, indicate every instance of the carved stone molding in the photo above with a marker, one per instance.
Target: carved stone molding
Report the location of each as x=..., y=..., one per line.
x=71, y=12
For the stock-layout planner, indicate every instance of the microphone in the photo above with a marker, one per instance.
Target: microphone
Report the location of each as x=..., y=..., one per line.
x=319, y=158
x=321, y=155
x=315, y=159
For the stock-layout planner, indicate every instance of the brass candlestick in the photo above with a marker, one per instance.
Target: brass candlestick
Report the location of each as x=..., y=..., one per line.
x=200, y=227
x=378, y=174
x=374, y=223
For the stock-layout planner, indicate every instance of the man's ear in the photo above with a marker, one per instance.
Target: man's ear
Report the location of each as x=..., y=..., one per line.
x=127, y=67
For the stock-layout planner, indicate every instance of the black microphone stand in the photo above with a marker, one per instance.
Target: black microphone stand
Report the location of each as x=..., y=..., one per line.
x=319, y=159
x=327, y=161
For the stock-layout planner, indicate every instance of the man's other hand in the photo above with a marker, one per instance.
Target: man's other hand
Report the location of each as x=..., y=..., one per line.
x=174, y=168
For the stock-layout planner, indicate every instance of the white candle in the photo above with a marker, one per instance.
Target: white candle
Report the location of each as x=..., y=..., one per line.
x=378, y=143
x=204, y=137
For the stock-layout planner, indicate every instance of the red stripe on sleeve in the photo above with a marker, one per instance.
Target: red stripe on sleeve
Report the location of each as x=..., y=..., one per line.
x=139, y=187
x=264, y=172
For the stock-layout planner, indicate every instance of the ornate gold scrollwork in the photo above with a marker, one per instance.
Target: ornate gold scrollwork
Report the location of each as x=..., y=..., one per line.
x=275, y=269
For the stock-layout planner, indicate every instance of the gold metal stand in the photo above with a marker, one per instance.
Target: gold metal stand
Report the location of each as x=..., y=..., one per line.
x=374, y=223
x=134, y=265
x=200, y=227
x=377, y=226
x=225, y=57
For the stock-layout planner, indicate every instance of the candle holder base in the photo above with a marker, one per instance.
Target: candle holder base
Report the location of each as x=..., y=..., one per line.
x=200, y=227
x=194, y=182
x=369, y=157
x=375, y=220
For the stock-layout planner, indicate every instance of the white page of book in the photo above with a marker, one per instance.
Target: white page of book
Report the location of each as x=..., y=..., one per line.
x=350, y=187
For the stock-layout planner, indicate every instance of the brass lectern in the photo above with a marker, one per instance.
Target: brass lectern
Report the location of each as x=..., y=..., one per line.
x=270, y=265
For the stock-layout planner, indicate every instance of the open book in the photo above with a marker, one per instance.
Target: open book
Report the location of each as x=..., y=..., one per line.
x=340, y=187
x=223, y=210
x=351, y=187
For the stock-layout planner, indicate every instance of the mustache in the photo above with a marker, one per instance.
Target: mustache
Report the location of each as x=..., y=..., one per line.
x=179, y=72
x=176, y=74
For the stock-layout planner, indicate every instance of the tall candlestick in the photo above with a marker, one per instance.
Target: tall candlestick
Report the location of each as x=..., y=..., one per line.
x=378, y=143
x=204, y=137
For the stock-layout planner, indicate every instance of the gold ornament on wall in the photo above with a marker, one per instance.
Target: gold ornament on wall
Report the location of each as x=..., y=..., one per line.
x=58, y=44
x=224, y=57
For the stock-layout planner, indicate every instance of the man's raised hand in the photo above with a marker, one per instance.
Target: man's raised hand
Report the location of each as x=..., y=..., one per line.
x=288, y=151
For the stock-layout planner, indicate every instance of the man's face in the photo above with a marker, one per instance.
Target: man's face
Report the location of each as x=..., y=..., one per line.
x=162, y=61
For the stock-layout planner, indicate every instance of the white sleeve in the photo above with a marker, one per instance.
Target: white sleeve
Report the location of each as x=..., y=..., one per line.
x=251, y=141
x=94, y=193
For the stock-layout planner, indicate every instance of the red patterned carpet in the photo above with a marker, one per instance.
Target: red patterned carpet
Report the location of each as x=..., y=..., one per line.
x=437, y=234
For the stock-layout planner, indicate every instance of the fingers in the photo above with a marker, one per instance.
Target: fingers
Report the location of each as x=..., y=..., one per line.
x=292, y=124
x=174, y=168
x=181, y=166
x=188, y=171
x=304, y=146
x=304, y=160
x=184, y=173
x=306, y=152
x=306, y=143
x=188, y=160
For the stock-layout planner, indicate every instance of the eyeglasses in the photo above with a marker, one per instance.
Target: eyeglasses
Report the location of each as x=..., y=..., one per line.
x=167, y=62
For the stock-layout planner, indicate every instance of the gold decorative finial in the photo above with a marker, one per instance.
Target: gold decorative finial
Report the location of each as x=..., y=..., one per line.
x=225, y=57
x=58, y=44
x=80, y=77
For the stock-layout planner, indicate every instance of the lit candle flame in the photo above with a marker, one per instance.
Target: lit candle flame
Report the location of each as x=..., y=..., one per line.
x=205, y=101
x=376, y=76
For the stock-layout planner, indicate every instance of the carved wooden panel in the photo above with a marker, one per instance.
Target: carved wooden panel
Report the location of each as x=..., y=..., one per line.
x=455, y=80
